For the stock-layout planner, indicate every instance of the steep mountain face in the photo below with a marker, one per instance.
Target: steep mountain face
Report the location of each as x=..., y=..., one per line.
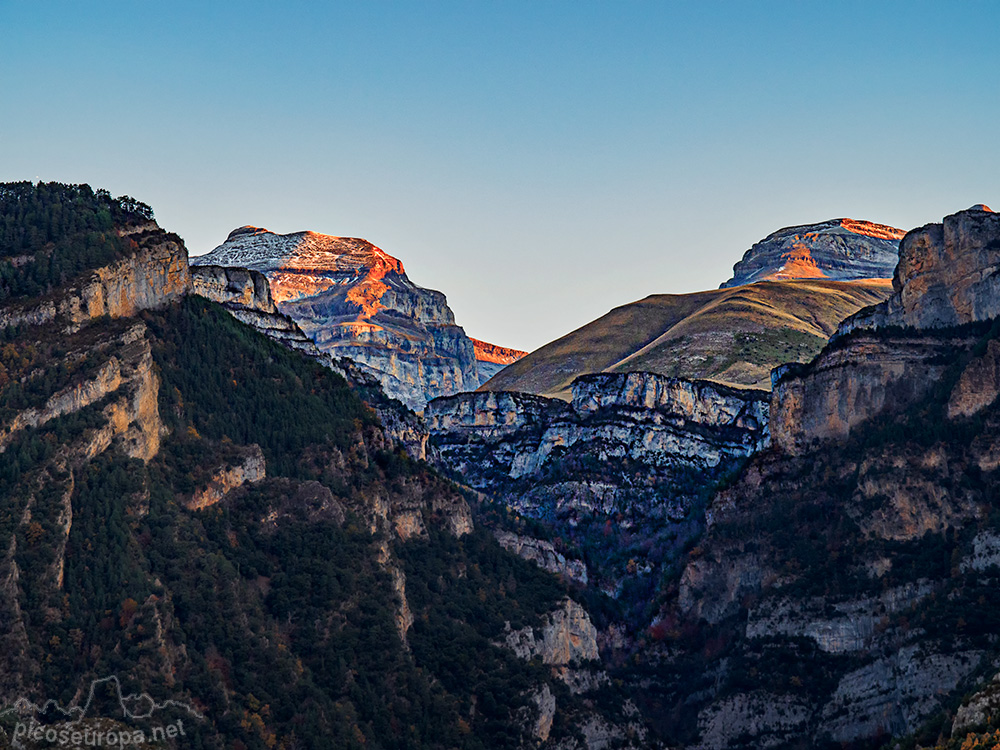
x=247, y=296
x=841, y=249
x=787, y=297
x=354, y=300
x=892, y=354
x=838, y=595
x=637, y=448
x=491, y=359
x=221, y=522
x=152, y=276
x=732, y=336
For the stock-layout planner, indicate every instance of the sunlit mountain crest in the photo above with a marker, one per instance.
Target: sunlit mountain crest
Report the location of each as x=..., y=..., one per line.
x=837, y=249
x=288, y=260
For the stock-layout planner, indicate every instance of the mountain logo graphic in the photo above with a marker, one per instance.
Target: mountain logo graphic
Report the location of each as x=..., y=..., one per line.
x=133, y=706
x=105, y=700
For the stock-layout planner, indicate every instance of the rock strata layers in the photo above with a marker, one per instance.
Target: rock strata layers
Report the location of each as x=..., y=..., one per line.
x=499, y=440
x=355, y=300
x=637, y=447
x=155, y=275
x=247, y=296
x=841, y=249
x=887, y=356
x=491, y=359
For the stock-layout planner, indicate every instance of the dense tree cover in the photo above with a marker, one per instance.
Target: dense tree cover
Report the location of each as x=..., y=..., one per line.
x=226, y=381
x=282, y=632
x=815, y=529
x=51, y=233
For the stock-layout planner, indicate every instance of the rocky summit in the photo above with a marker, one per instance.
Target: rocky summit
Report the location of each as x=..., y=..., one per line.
x=890, y=355
x=841, y=249
x=840, y=589
x=355, y=300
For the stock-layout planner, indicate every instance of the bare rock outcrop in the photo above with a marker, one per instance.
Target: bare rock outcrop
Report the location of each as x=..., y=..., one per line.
x=886, y=357
x=544, y=555
x=237, y=287
x=947, y=275
x=249, y=467
x=980, y=708
x=491, y=359
x=839, y=249
x=567, y=637
x=155, y=275
x=355, y=300
x=125, y=378
x=979, y=384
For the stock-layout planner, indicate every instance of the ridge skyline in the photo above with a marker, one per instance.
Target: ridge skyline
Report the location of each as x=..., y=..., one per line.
x=541, y=141
x=319, y=243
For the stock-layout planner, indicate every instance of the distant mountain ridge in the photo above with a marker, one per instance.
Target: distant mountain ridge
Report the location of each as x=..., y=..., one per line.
x=787, y=296
x=492, y=358
x=355, y=300
x=732, y=336
x=839, y=249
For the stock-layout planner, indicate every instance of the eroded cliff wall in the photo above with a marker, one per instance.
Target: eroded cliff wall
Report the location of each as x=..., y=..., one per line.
x=639, y=448
x=888, y=356
x=354, y=300
x=156, y=274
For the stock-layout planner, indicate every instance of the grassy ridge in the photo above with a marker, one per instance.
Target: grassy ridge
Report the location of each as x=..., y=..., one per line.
x=733, y=336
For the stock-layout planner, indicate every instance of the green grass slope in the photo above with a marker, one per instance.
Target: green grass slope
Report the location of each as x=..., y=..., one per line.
x=733, y=336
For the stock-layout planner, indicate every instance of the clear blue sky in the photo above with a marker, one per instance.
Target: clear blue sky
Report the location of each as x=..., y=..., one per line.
x=539, y=162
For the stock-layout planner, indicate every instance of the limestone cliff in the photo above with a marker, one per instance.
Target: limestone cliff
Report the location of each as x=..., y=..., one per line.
x=355, y=300
x=946, y=276
x=124, y=383
x=837, y=249
x=566, y=637
x=887, y=356
x=492, y=438
x=544, y=555
x=247, y=296
x=566, y=641
x=638, y=448
x=491, y=359
x=153, y=276
x=249, y=467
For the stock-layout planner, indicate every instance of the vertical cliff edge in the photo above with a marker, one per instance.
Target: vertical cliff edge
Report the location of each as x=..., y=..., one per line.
x=354, y=300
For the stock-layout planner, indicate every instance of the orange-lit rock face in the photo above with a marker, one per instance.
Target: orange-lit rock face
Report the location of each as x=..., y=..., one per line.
x=354, y=300
x=491, y=359
x=499, y=355
x=870, y=229
x=798, y=263
x=304, y=264
x=839, y=249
